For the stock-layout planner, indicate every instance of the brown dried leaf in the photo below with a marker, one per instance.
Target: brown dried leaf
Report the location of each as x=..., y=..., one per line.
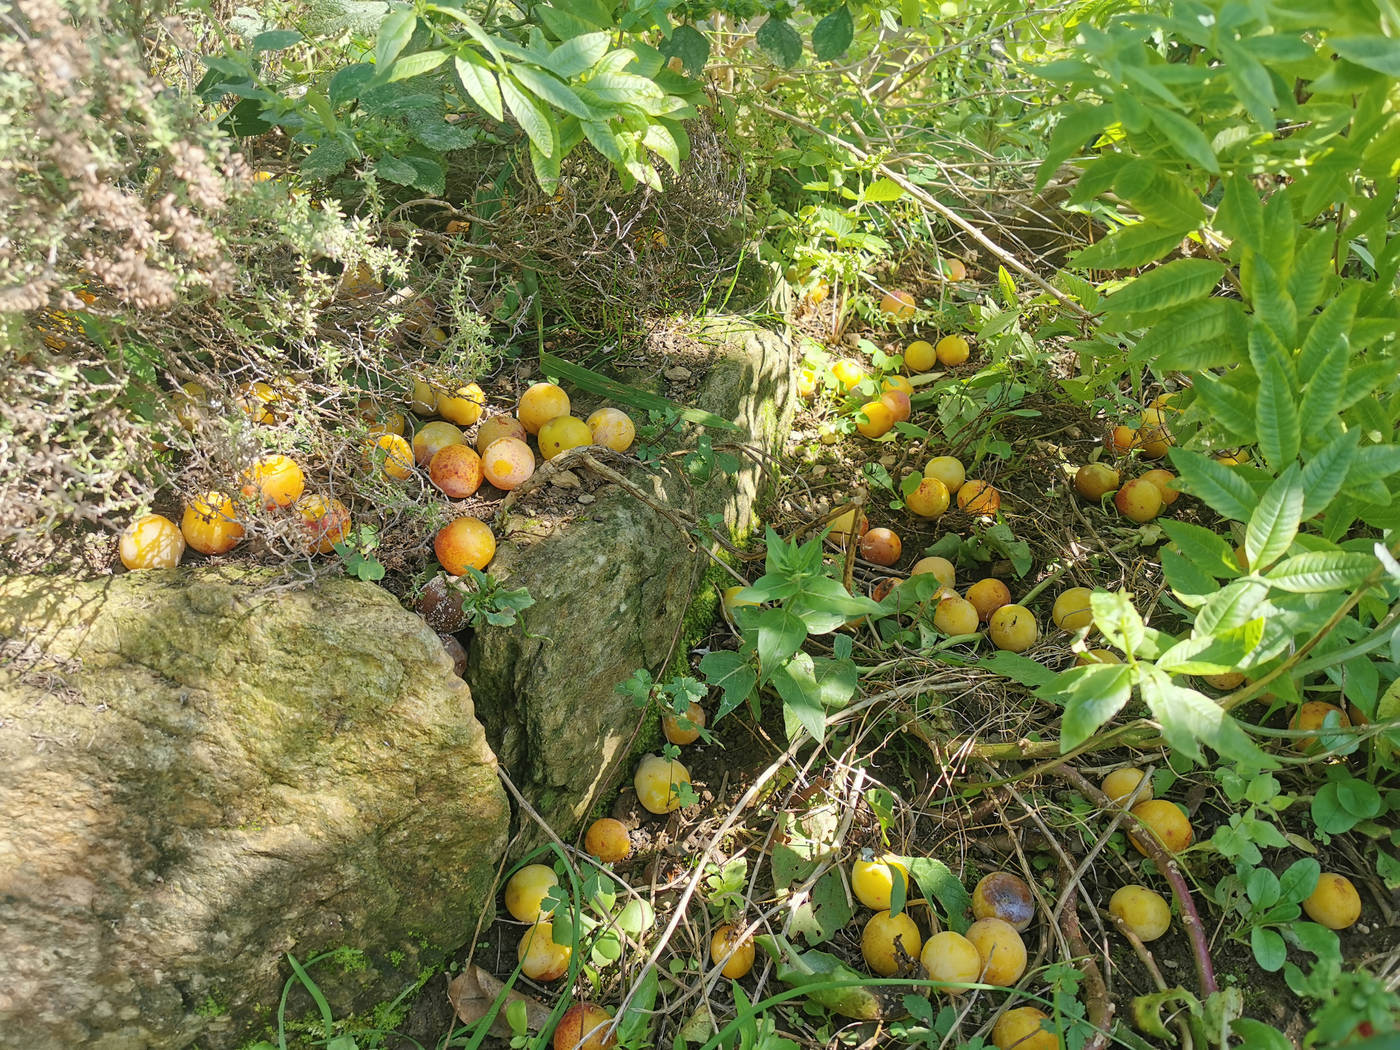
x=472, y=992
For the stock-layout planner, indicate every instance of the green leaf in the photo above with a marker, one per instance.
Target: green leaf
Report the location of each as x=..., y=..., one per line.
x=1222, y=489
x=530, y=115
x=1203, y=547
x=1251, y=83
x=396, y=169
x=1129, y=246
x=1381, y=53
x=1329, y=330
x=691, y=46
x=802, y=709
x=730, y=672
x=1161, y=197
x=937, y=882
x=1092, y=695
x=1212, y=654
x=275, y=40
x=1117, y=620
x=1077, y=128
x=881, y=191
x=410, y=66
x=1188, y=581
x=833, y=34
x=779, y=41
x=659, y=141
x=1318, y=572
x=478, y=80
x=1230, y=407
x=548, y=88
x=577, y=54
x=394, y=34
x=779, y=634
x=1195, y=337
x=1322, y=396
x=1189, y=719
x=349, y=81
x=1324, y=474
x=547, y=169
x=1275, y=521
x=1240, y=215
x=823, y=912
x=1165, y=288
x=1232, y=606
x=1188, y=139
x=1269, y=297
x=1312, y=271
x=611, y=389
x=1019, y=669
x=1269, y=950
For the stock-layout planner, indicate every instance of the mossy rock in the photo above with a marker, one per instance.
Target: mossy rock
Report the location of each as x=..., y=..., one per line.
x=613, y=587
x=200, y=773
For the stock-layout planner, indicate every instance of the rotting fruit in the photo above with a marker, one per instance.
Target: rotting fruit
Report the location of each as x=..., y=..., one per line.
x=1312, y=714
x=1334, y=902
x=432, y=438
x=956, y=616
x=584, y=1026
x=561, y=434
x=679, y=734
x=897, y=401
x=1013, y=628
x=886, y=939
x=658, y=783
x=1093, y=481
x=883, y=587
x=979, y=497
x=987, y=596
x=541, y=959
x=1166, y=821
x=539, y=404
x=929, y=499
x=1021, y=1029
x=1002, y=895
x=1002, y=950
x=1138, y=500
x=612, y=428
x=1122, y=782
x=607, y=840
x=951, y=958
x=152, y=541
x=507, y=463
x=729, y=946
x=881, y=546
x=1071, y=611
x=210, y=523
x=325, y=522
x=1144, y=911
x=456, y=471
x=496, y=427
x=463, y=542
x=947, y=469
x=872, y=880
x=527, y=889
x=897, y=305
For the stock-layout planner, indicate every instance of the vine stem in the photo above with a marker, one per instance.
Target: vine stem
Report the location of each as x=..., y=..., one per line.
x=1171, y=871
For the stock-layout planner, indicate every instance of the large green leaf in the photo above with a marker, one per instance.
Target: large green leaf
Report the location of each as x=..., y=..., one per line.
x=732, y=674
x=1204, y=547
x=778, y=634
x=1222, y=489
x=530, y=114
x=833, y=34
x=1240, y=216
x=547, y=87
x=1275, y=521
x=1091, y=696
x=1320, y=571
x=1129, y=246
x=394, y=34
x=780, y=41
x=1165, y=288
x=1117, y=620
x=1233, y=605
x=1329, y=329
x=1381, y=53
x=802, y=698
x=578, y=54
x=1198, y=336
x=1078, y=126
x=1189, y=718
x=1276, y=414
x=691, y=46
x=1269, y=297
x=478, y=80
x=1230, y=407
x=1324, y=474
x=1322, y=395
x=1188, y=139
x=1162, y=198
x=1189, y=582
x=1212, y=654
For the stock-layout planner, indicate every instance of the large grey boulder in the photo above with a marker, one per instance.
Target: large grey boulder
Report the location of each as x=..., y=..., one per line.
x=200, y=773
x=612, y=586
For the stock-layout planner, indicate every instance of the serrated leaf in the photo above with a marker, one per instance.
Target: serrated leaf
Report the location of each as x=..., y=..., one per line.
x=1276, y=413
x=1329, y=329
x=1203, y=547
x=349, y=81
x=1230, y=408
x=1091, y=695
x=1275, y=520
x=1269, y=297
x=882, y=191
x=531, y=116
x=1212, y=654
x=1241, y=215
x=1322, y=393
x=1159, y=196
x=1129, y=246
x=1318, y=572
x=1222, y=489
x=780, y=41
x=1188, y=581
x=833, y=34
x=1117, y=620
x=1188, y=139
x=1232, y=606
x=478, y=79
x=1165, y=288
x=578, y=54
x=1312, y=271
x=824, y=912
x=1198, y=336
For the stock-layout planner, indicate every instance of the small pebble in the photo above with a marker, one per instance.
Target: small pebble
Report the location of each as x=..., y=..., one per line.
x=585, y=499
x=677, y=374
x=566, y=479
